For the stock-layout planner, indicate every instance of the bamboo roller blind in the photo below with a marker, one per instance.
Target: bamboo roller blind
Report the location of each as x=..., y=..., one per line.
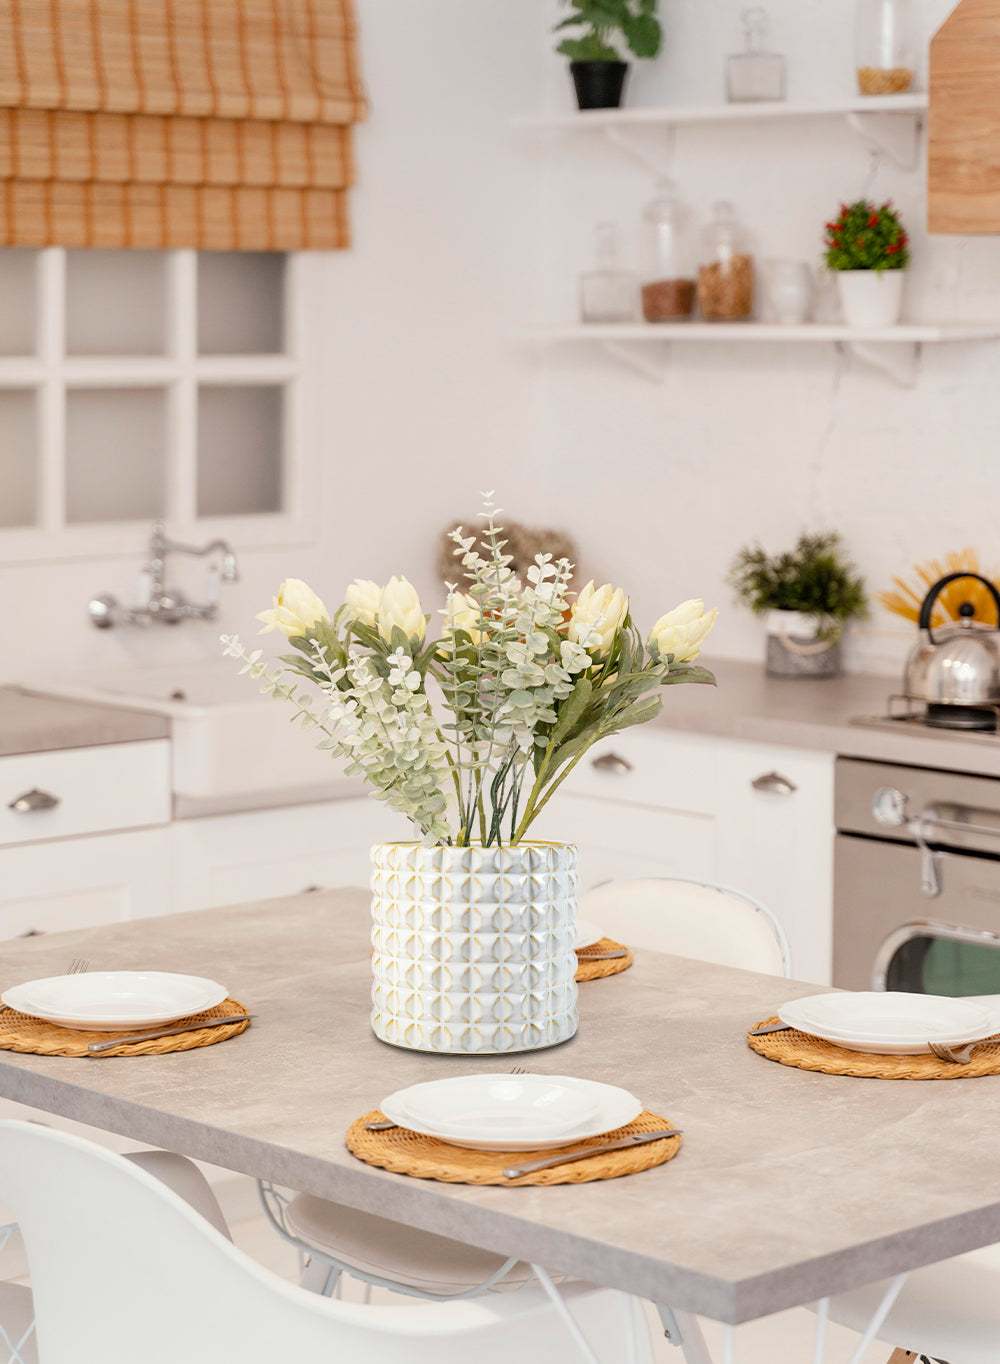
x=214, y=124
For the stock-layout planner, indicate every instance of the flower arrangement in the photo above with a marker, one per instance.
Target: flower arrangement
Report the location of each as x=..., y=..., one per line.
x=525, y=682
x=864, y=236
x=814, y=578
x=600, y=20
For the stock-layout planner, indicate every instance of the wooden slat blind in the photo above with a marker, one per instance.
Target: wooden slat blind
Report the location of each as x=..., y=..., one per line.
x=216, y=124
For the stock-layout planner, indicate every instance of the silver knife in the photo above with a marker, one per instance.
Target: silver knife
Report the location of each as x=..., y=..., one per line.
x=584, y=955
x=636, y=1139
x=771, y=1027
x=168, y=1032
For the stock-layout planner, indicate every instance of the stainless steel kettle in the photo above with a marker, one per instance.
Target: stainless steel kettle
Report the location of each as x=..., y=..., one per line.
x=960, y=664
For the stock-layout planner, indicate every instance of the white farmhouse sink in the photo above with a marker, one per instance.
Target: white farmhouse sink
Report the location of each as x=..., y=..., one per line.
x=229, y=742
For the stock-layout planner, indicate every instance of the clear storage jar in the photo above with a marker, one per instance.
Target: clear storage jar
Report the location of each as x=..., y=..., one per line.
x=666, y=257
x=885, y=46
x=726, y=268
x=608, y=292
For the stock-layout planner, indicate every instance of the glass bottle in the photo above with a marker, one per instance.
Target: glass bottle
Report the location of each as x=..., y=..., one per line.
x=666, y=257
x=754, y=74
x=726, y=268
x=886, y=46
x=608, y=293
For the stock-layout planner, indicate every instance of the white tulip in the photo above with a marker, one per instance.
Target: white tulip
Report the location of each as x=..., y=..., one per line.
x=596, y=615
x=296, y=609
x=462, y=612
x=400, y=605
x=362, y=601
x=682, y=631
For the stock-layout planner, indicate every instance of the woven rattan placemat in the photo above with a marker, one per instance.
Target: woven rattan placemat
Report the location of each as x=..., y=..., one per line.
x=19, y=1032
x=793, y=1048
x=408, y=1153
x=594, y=970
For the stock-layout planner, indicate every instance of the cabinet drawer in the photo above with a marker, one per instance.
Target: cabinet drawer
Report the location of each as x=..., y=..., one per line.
x=663, y=770
x=84, y=791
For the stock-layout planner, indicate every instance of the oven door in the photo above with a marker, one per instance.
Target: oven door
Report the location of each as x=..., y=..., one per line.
x=889, y=934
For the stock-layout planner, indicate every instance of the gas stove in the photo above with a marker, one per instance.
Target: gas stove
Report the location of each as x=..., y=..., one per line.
x=973, y=721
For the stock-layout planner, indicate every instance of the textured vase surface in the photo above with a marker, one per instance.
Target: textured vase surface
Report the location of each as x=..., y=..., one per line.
x=474, y=948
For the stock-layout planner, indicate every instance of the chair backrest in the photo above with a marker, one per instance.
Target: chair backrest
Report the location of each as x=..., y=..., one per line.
x=691, y=919
x=123, y=1271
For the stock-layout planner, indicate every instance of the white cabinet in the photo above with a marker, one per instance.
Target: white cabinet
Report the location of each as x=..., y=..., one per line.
x=81, y=882
x=225, y=859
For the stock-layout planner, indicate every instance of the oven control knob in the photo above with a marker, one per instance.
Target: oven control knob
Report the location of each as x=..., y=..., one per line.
x=889, y=806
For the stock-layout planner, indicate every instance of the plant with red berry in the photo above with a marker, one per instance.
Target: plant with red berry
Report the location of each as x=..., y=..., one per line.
x=864, y=236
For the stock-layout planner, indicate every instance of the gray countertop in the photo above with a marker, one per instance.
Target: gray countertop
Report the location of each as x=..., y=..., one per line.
x=789, y=1185
x=39, y=724
x=750, y=706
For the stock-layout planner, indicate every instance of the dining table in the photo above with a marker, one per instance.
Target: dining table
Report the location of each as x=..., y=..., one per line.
x=790, y=1185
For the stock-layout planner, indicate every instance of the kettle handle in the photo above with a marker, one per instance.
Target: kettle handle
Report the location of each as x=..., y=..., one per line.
x=932, y=596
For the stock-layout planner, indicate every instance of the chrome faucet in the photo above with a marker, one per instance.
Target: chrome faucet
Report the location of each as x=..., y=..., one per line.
x=168, y=605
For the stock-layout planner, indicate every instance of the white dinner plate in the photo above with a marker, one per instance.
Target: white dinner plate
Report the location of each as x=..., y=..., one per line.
x=891, y=1022
x=587, y=933
x=511, y=1112
x=107, y=1001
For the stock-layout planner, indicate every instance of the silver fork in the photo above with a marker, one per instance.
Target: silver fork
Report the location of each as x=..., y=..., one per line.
x=958, y=1056
x=77, y=966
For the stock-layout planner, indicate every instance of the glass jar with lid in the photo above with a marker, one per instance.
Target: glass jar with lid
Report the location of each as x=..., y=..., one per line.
x=754, y=74
x=666, y=257
x=885, y=46
x=608, y=292
x=726, y=268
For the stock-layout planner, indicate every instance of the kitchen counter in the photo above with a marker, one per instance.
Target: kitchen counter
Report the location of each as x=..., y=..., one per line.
x=39, y=724
x=750, y=706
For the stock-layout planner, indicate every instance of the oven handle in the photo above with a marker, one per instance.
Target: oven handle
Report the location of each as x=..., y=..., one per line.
x=920, y=826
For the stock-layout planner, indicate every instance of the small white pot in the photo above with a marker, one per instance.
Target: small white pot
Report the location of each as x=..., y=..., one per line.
x=473, y=949
x=871, y=298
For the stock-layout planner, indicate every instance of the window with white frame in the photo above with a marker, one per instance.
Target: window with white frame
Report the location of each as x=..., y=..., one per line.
x=140, y=385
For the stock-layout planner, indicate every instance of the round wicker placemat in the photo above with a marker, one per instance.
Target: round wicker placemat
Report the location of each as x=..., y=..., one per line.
x=408, y=1153
x=793, y=1048
x=19, y=1032
x=594, y=970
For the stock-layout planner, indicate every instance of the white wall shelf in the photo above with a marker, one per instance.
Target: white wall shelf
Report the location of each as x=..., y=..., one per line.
x=890, y=124
x=893, y=351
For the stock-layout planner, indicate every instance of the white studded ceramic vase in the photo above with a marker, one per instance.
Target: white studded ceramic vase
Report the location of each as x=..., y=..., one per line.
x=474, y=948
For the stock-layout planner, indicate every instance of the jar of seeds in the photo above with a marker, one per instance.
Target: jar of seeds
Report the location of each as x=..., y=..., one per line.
x=726, y=271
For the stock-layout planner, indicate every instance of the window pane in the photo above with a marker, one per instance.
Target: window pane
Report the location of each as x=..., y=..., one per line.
x=18, y=289
x=239, y=449
x=115, y=454
x=116, y=302
x=241, y=303
x=18, y=461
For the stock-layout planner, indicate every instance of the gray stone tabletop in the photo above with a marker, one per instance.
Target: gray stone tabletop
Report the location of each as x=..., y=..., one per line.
x=41, y=724
x=817, y=713
x=789, y=1185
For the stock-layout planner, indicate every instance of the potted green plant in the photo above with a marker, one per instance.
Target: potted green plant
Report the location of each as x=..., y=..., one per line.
x=603, y=29
x=808, y=595
x=867, y=248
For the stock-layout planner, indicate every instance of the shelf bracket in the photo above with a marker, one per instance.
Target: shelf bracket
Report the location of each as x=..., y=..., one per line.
x=636, y=357
x=634, y=149
x=897, y=360
x=895, y=135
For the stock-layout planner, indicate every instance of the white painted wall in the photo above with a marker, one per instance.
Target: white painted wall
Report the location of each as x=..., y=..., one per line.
x=465, y=228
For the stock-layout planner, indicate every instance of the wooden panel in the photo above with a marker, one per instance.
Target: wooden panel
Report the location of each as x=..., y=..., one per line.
x=963, y=149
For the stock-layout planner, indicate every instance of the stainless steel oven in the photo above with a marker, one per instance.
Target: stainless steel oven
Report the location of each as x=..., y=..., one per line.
x=916, y=879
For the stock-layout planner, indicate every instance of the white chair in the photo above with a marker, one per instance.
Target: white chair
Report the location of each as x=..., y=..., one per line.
x=689, y=918
x=125, y=1271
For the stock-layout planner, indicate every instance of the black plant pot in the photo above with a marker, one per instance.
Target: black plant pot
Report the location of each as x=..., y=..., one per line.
x=599, y=85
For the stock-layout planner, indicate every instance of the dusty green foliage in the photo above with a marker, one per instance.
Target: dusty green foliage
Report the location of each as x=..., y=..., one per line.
x=864, y=236
x=605, y=25
x=815, y=578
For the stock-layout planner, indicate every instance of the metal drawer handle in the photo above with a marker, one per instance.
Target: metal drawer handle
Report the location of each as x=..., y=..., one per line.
x=611, y=762
x=775, y=784
x=34, y=800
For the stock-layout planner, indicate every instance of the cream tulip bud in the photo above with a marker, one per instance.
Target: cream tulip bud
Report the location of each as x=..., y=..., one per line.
x=362, y=601
x=400, y=605
x=597, y=614
x=682, y=631
x=296, y=609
